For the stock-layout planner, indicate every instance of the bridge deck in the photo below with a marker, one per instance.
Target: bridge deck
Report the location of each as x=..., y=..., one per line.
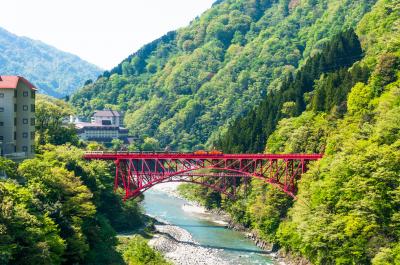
x=169, y=155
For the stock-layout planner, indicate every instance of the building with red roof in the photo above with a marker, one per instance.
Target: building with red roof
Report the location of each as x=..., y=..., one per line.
x=17, y=117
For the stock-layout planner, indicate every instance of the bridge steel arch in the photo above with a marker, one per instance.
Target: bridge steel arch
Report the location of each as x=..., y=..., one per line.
x=138, y=172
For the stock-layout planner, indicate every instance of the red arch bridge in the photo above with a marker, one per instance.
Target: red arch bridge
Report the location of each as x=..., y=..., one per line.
x=138, y=172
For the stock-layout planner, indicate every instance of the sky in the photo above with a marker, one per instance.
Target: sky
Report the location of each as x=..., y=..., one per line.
x=99, y=31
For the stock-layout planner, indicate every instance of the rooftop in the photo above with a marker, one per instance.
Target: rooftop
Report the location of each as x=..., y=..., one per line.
x=106, y=113
x=11, y=81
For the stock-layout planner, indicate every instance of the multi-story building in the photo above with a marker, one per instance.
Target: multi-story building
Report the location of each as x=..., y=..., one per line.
x=105, y=126
x=17, y=117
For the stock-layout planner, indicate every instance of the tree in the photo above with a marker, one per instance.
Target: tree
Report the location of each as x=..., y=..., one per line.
x=137, y=252
x=62, y=196
x=289, y=108
x=27, y=235
x=117, y=144
x=50, y=124
x=8, y=168
x=133, y=147
x=359, y=99
x=150, y=144
x=94, y=146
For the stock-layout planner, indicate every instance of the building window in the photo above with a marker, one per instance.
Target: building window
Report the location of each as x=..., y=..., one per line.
x=32, y=107
x=1, y=95
x=25, y=107
x=25, y=135
x=1, y=123
x=32, y=121
x=15, y=121
x=1, y=137
x=25, y=121
x=15, y=107
x=15, y=136
x=15, y=93
x=32, y=149
x=26, y=93
x=1, y=109
x=32, y=94
x=32, y=135
x=25, y=148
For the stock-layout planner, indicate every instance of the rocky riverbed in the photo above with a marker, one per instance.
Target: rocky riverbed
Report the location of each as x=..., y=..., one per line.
x=178, y=246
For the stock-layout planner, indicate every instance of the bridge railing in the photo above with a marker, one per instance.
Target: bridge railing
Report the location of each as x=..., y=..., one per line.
x=132, y=152
x=174, y=155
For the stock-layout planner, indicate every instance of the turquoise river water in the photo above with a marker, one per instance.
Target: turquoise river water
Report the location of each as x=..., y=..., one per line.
x=234, y=246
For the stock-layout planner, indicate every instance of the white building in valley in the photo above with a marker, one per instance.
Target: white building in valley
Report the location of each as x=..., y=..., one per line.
x=105, y=126
x=17, y=117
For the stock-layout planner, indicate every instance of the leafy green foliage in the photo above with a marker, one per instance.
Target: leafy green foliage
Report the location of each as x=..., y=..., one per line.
x=64, y=212
x=150, y=144
x=353, y=195
x=7, y=167
x=137, y=252
x=62, y=196
x=98, y=177
x=27, y=235
x=54, y=72
x=50, y=124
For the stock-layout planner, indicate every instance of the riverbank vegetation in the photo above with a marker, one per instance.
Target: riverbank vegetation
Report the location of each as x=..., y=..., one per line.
x=136, y=251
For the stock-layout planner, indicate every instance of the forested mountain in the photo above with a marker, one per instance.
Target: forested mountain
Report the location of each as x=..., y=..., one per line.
x=54, y=72
x=323, y=82
x=185, y=88
x=345, y=103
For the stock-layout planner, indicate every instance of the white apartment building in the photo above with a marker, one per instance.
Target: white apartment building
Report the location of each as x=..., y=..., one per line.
x=17, y=117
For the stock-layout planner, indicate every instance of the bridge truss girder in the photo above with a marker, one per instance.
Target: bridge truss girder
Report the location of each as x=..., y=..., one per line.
x=137, y=174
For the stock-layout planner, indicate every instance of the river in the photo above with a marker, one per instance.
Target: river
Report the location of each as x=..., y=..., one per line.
x=233, y=246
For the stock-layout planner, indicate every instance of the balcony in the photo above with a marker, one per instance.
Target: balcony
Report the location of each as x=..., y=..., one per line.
x=16, y=156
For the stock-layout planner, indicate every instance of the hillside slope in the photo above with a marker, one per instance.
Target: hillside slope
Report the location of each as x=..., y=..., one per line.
x=186, y=87
x=54, y=72
x=348, y=203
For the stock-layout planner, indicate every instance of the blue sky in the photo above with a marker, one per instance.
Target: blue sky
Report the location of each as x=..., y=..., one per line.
x=101, y=32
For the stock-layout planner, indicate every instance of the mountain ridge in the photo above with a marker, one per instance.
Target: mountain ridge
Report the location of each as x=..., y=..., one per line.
x=55, y=72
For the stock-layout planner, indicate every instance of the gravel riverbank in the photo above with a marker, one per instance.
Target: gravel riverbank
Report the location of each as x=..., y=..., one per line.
x=178, y=246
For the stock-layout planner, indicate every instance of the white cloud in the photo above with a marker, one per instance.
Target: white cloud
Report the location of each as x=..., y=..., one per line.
x=102, y=32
